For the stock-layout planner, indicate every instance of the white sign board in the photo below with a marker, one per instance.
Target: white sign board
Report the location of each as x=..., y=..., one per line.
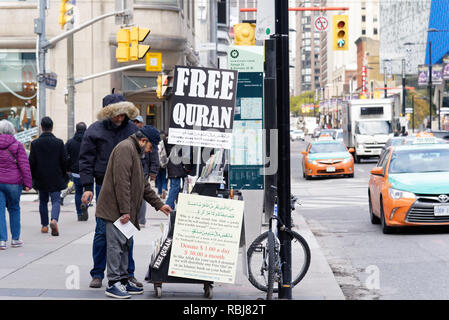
x=265, y=19
x=206, y=238
x=208, y=46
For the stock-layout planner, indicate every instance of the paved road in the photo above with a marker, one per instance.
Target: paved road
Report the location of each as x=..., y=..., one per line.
x=412, y=264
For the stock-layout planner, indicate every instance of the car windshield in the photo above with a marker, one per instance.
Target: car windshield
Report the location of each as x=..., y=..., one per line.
x=415, y=161
x=327, y=147
x=373, y=127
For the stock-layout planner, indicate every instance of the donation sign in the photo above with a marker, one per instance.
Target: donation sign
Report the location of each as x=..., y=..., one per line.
x=206, y=238
x=202, y=108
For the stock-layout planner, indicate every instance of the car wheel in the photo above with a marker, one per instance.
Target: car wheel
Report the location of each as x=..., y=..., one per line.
x=385, y=228
x=374, y=219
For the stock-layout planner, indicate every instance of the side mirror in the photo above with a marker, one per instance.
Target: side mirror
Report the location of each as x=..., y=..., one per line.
x=304, y=153
x=378, y=171
x=351, y=150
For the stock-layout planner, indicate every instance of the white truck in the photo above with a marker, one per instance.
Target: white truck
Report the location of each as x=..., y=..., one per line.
x=367, y=124
x=307, y=124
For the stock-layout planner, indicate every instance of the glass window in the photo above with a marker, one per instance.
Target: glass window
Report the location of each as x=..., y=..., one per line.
x=327, y=147
x=415, y=161
x=131, y=83
x=18, y=89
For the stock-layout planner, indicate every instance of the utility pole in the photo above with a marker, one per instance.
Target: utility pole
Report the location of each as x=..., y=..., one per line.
x=430, y=85
x=385, y=82
x=39, y=28
x=70, y=84
x=283, y=120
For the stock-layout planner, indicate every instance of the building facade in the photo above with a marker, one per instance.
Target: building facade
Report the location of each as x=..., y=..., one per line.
x=172, y=24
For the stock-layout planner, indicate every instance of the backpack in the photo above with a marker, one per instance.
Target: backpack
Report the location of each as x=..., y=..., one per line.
x=163, y=158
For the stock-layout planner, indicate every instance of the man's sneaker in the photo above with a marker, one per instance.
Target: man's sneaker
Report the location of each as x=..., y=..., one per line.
x=2, y=245
x=96, y=283
x=84, y=214
x=134, y=281
x=131, y=288
x=16, y=243
x=118, y=291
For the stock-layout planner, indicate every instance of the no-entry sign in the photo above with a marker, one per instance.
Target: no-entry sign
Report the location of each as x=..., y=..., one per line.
x=321, y=24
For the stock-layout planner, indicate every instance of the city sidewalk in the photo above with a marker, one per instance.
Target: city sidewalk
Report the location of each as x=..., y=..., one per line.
x=48, y=267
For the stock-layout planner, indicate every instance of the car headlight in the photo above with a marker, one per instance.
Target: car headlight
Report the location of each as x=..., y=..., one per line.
x=399, y=194
x=359, y=146
x=347, y=160
x=312, y=162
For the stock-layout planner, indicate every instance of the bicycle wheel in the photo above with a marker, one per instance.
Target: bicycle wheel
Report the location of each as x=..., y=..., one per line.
x=271, y=250
x=257, y=257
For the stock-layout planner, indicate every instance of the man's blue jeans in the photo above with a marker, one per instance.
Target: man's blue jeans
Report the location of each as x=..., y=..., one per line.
x=55, y=206
x=99, y=248
x=78, y=194
x=10, y=193
x=175, y=187
x=161, y=180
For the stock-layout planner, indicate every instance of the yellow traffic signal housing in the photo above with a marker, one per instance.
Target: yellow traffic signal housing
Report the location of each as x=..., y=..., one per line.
x=159, y=86
x=65, y=13
x=244, y=34
x=123, y=40
x=340, y=33
x=137, y=50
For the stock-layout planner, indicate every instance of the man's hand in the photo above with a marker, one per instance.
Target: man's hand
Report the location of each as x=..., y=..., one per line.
x=125, y=218
x=27, y=189
x=87, y=197
x=152, y=177
x=166, y=209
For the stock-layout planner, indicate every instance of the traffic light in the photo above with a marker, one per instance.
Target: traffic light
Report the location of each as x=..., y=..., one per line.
x=137, y=50
x=65, y=12
x=159, y=86
x=122, y=51
x=244, y=34
x=340, y=32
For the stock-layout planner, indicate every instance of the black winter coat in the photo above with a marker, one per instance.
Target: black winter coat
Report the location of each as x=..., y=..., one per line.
x=72, y=148
x=177, y=167
x=101, y=138
x=48, y=162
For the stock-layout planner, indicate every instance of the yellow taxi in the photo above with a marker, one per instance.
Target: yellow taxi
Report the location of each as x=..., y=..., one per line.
x=327, y=157
x=410, y=185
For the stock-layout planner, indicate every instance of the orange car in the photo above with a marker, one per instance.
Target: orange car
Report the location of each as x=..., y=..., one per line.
x=410, y=186
x=327, y=157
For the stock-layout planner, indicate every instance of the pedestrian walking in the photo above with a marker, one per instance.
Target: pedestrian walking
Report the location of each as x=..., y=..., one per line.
x=123, y=190
x=177, y=171
x=161, y=178
x=72, y=148
x=112, y=127
x=15, y=175
x=48, y=163
x=150, y=165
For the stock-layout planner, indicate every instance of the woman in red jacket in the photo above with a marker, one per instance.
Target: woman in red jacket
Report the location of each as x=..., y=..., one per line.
x=15, y=175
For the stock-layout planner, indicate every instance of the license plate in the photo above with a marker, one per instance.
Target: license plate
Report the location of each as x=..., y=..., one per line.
x=330, y=169
x=441, y=210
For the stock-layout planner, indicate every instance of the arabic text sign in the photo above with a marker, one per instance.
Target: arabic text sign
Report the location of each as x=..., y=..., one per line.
x=206, y=238
x=202, y=109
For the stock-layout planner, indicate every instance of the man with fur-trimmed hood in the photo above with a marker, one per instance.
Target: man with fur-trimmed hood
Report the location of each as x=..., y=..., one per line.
x=112, y=127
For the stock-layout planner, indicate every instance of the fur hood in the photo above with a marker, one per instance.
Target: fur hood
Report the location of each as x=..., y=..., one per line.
x=115, y=109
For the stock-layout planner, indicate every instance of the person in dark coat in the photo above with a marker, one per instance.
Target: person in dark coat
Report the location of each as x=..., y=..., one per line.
x=73, y=147
x=177, y=169
x=48, y=161
x=113, y=126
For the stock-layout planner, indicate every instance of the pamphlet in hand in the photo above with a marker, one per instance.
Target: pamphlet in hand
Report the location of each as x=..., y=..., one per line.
x=128, y=229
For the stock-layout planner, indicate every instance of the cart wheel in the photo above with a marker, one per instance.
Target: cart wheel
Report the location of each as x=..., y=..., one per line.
x=208, y=291
x=158, y=290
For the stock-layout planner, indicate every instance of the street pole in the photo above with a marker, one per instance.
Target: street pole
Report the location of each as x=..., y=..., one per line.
x=283, y=113
x=39, y=25
x=430, y=85
x=385, y=82
x=404, y=93
x=270, y=123
x=413, y=113
x=70, y=85
x=439, y=107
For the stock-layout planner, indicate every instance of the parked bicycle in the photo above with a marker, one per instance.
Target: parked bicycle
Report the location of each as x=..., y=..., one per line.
x=264, y=260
